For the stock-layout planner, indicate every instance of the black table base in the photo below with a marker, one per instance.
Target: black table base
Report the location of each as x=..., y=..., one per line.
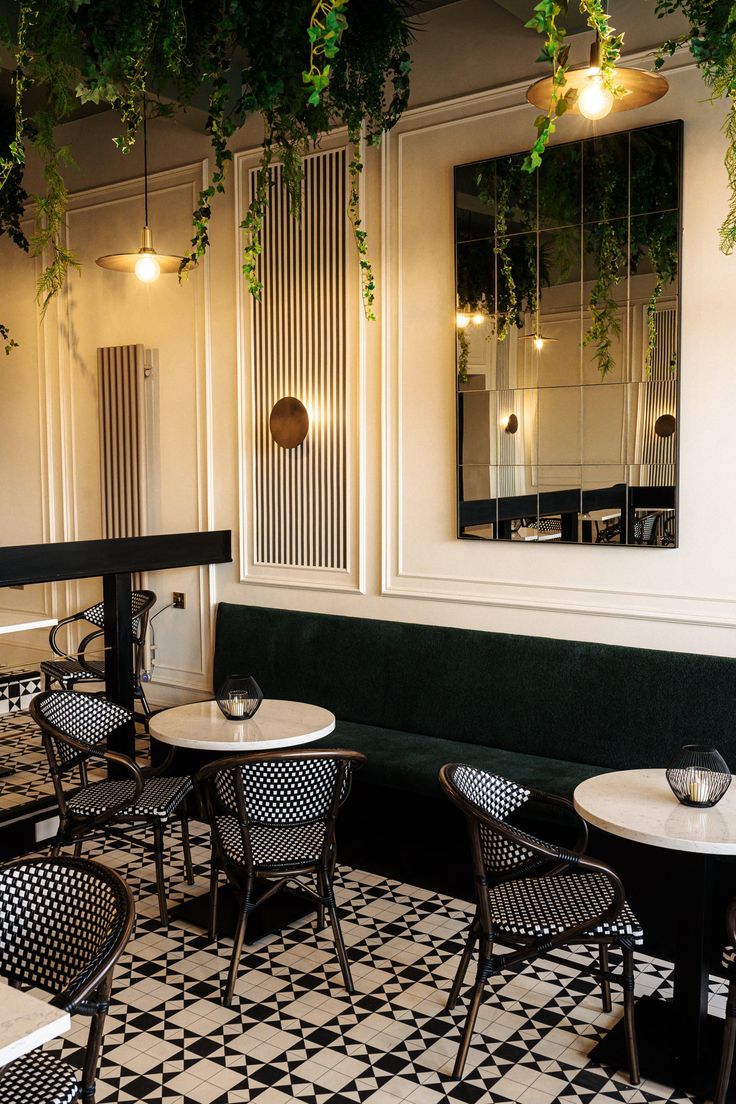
x=284, y=908
x=655, y=1033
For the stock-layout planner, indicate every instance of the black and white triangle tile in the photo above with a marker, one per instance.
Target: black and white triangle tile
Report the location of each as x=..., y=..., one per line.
x=294, y=1035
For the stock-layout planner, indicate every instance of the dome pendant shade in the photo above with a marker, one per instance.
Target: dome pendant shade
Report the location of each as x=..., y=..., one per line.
x=639, y=86
x=126, y=262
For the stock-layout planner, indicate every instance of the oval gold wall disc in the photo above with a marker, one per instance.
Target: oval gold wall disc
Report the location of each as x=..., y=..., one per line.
x=665, y=425
x=289, y=422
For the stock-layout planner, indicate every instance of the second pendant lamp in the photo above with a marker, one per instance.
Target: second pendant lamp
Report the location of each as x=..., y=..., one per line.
x=146, y=264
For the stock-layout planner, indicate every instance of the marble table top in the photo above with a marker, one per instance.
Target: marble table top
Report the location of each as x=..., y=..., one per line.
x=277, y=724
x=26, y=1022
x=639, y=805
x=23, y=626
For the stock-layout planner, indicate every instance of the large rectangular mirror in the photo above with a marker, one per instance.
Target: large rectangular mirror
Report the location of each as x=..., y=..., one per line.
x=567, y=322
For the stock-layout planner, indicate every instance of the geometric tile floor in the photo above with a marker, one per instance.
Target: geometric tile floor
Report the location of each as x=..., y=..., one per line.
x=294, y=1035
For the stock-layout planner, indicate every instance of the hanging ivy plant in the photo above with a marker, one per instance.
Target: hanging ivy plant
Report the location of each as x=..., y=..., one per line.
x=555, y=52
x=711, y=40
x=306, y=66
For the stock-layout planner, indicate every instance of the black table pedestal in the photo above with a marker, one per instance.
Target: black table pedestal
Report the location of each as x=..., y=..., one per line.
x=679, y=1043
x=284, y=908
x=659, y=1061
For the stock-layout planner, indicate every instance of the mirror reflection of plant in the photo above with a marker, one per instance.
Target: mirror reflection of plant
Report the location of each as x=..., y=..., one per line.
x=654, y=237
x=516, y=255
x=463, y=354
x=607, y=241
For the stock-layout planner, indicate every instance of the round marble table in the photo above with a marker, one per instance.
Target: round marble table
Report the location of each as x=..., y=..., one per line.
x=679, y=1043
x=277, y=724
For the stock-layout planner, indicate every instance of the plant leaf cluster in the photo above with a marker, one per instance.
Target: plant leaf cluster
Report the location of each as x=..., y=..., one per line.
x=305, y=66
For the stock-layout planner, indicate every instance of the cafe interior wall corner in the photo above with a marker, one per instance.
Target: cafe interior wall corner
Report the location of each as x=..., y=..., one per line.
x=412, y=566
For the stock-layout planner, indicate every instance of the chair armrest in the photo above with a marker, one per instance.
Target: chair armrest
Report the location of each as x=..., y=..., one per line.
x=581, y=842
x=731, y=923
x=82, y=648
x=56, y=629
x=90, y=823
x=163, y=766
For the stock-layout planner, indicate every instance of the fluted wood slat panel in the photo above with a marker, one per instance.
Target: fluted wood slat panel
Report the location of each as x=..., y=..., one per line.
x=121, y=378
x=660, y=397
x=300, y=349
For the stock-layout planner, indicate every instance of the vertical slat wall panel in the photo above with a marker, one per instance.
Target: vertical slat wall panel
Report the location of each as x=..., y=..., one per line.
x=659, y=454
x=300, y=349
x=121, y=380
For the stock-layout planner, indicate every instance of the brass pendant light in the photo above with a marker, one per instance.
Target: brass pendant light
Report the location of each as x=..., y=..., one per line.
x=591, y=98
x=146, y=264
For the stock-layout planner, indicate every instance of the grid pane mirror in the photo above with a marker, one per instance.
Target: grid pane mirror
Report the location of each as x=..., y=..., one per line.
x=568, y=342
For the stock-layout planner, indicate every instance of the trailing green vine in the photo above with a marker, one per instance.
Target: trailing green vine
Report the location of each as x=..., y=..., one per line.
x=309, y=66
x=556, y=51
x=463, y=355
x=711, y=39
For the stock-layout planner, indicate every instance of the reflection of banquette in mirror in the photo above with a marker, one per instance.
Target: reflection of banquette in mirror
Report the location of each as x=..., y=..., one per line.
x=568, y=342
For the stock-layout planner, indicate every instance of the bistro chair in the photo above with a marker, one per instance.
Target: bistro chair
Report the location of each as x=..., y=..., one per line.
x=68, y=670
x=76, y=728
x=273, y=817
x=534, y=896
x=64, y=923
x=729, y=1031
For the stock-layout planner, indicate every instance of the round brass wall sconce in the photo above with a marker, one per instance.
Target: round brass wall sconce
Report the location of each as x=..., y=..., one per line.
x=512, y=424
x=289, y=422
x=665, y=425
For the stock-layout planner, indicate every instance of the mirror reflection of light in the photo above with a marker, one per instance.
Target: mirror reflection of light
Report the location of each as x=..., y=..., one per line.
x=462, y=320
x=477, y=319
x=538, y=343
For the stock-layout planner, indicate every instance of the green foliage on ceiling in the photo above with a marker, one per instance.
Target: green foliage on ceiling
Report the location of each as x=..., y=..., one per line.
x=306, y=67
x=711, y=39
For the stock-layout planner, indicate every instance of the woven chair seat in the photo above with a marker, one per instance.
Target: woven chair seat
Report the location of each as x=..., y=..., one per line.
x=161, y=798
x=65, y=669
x=274, y=846
x=38, y=1078
x=536, y=907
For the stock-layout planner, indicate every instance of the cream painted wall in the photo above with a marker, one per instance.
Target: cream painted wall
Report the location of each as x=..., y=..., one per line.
x=411, y=567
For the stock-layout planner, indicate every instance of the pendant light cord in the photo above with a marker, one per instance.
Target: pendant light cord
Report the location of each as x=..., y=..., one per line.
x=145, y=161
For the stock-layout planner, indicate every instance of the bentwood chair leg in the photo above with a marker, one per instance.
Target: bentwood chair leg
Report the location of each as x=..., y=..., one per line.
x=232, y=974
x=605, y=981
x=463, y=967
x=480, y=981
x=94, y=1043
x=78, y=848
x=158, y=848
x=321, y=921
x=339, y=941
x=214, y=887
x=729, y=1038
x=187, y=848
x=629, y=1025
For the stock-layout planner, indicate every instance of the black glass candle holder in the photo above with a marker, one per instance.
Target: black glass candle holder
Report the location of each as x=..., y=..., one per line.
x=698, y=776
x=239, y=697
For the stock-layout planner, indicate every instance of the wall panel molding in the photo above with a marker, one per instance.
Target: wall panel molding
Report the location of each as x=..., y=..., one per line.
x=301, y=510
x=462, y=577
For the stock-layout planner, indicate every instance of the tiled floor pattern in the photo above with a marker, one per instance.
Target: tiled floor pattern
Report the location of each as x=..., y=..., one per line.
x=295, y=1035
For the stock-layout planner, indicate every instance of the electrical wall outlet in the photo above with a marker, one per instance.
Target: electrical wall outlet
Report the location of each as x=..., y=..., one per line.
x=179, y=600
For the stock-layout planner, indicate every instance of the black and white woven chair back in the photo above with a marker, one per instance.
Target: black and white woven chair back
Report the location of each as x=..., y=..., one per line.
x=281, y=791
x=64, y=921
x=644, y=529
x=87, y=719
x=141, y=602
x=492, y=798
